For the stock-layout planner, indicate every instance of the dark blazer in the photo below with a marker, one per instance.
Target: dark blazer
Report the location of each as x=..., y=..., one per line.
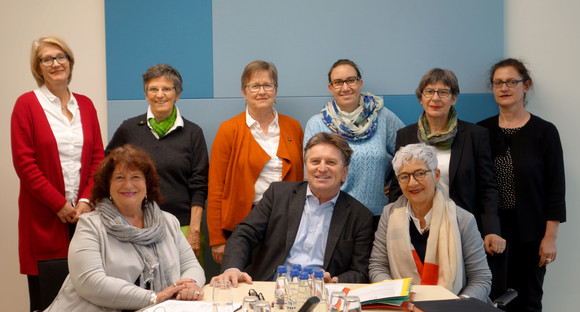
x=472, y=183
x=263, y=240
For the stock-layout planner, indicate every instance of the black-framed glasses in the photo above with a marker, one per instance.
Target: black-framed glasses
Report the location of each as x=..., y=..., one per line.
x=253, y=292
x=165, y=90
x=256, y=87
x=496, y=84
x=49, y=60
x=419, y=175
x=443, y=93
x=351, y=81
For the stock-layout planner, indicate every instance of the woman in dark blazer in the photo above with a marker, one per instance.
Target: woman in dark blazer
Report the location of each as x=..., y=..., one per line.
x=464, y=158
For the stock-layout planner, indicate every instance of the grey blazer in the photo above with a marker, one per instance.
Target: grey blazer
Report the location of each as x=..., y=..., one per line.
x=477, y=276
x=263, y=240
x=103, y=270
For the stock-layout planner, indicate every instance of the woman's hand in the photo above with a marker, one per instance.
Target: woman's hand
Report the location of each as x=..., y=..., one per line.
x=494, y=244
x=175, y=290
x=67, y=213
x=217, y=252
x=548, y=250
x=191, y=292
x=82, y=207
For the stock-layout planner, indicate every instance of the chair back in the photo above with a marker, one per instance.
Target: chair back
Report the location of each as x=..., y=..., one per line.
x=51, y=275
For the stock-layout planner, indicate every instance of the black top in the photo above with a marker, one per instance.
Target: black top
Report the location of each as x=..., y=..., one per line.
x=180, y=158
x=538, y=164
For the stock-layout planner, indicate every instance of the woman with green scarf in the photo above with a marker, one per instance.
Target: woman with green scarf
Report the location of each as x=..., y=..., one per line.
x=176, y=145
x=463, y=154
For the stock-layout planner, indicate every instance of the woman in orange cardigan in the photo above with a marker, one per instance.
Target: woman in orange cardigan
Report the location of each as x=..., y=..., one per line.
x=250, y=151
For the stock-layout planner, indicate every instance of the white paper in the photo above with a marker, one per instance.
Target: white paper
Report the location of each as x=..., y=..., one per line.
x=185, y=306
x=376, y=291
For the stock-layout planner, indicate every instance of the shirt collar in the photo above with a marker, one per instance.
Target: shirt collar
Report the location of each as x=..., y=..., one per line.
x=178, y=120
x=54, y=99
x=411, y=215
x=333, y=200
x=252, y=122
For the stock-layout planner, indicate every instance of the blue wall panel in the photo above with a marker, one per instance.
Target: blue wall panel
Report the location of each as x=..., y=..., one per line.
x=394, y=42
x=141, y=33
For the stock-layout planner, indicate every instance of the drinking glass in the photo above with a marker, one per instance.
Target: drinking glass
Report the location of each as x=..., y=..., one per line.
x=249, y=304
x=222, y=296
x=353, y=304
x=263, y=306
x=337, y=302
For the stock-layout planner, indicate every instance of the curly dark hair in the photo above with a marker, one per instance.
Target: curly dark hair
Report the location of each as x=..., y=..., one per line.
x=134, y=158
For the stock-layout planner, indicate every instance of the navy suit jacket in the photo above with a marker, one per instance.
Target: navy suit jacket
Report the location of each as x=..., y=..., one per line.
x=472, y=183
x=263, y=240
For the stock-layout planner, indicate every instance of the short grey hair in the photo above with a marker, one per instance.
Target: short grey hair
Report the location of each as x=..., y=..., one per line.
x=418, y=151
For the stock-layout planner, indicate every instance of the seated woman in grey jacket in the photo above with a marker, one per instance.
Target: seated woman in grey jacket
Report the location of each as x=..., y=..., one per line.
x=128, y=254
x=424, y=235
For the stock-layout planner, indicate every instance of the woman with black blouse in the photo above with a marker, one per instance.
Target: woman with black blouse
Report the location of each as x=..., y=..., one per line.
x=529, y=165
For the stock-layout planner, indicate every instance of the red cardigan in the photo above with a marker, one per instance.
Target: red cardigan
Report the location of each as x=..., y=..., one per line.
x=41, y=234
x=236, y=162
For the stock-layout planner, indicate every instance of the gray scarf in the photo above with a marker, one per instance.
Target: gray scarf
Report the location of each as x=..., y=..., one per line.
x=156, y=271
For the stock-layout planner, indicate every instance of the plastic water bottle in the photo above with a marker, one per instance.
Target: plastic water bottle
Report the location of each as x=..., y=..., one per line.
x=310, y=272
x=319, y=290
x=281, y=291
x=294, y=274
x=293, y=284
x=303, y=289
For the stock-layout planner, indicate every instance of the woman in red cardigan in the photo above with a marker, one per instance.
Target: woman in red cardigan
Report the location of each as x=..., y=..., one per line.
x=250, y=151
x=56, y=148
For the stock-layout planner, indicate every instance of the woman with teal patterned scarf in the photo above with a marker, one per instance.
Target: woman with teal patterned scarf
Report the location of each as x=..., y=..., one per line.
x=463, y=154
x=176, y=145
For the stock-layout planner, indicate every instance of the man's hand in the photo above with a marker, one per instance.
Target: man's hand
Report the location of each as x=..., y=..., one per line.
x=329, y=279
x=233, y=275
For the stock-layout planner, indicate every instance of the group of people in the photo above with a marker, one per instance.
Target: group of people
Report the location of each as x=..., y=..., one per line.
x=356, y=193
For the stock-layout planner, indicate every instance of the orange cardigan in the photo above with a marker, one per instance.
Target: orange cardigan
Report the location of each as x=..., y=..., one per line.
x=235, y=164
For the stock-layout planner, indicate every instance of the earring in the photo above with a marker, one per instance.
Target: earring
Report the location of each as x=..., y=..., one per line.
x=110, y=198
x=274, y=102
x=246, y=104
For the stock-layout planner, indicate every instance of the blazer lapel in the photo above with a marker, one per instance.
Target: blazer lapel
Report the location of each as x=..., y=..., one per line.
x=339, y=217
x=456, y=150
x=295, y=209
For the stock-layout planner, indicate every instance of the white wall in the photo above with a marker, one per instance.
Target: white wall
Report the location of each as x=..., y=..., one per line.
x=545, y=35
x=82, y=25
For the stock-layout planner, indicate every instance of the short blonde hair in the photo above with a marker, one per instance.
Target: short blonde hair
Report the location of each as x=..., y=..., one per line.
x=35, y=55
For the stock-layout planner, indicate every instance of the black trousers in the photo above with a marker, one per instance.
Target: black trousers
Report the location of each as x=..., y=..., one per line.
x=34, y=293
x=525, y=276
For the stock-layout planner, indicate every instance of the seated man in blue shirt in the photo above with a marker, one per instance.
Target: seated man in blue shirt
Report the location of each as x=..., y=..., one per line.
x=311, y=223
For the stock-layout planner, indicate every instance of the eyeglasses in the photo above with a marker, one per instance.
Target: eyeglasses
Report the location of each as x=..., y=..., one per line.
x=49, y=60
x=256, y=87
x=510, y=83
x=165, y=90
x=443, y=93
x=253, y=292
x=419, y=175
x=351, y=81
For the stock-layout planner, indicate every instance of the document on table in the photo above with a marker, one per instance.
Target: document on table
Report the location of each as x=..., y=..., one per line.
x=184, y=306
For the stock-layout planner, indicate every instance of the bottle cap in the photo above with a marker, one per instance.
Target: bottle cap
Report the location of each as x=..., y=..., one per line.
x=319, y=273
x=294, y=273
x=282, y=269
x=309, y=270
x=303, y=275
x=297, y=267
